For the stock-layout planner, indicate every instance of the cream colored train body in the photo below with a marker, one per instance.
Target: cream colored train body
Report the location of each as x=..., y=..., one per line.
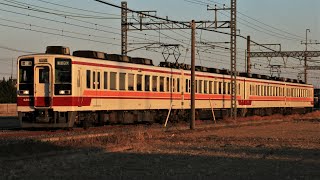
x=56, y=90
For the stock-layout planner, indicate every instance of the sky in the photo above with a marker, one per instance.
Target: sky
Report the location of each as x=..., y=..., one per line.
x=28, y=26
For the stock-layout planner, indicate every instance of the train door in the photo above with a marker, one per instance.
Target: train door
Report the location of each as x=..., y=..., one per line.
x=42, y=86
x=97, y=87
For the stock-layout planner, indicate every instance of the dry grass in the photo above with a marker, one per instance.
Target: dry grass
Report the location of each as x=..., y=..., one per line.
x=312, y=115
x=114, y=141
x=315, y=114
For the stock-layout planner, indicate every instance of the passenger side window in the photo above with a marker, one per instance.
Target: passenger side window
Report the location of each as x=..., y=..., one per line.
x=200, y=86
x=210, y=87
x=168, y=84
x=130, y=82
x=88, y=79
x=161, y=84
x=122, y=81
x=178, y=85
x=98, y=80
x=187, y=85
x=215, y=86
x=173, y=85
x=147, y=82
x=113, y=80
x=139, y=82
x=154, y=83
x=205, y=87
x=105, y=80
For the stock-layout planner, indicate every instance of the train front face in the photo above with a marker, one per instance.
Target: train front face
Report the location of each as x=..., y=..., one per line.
x=44, y=82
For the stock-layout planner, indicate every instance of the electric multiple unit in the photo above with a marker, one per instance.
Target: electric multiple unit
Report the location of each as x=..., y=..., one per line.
x=57, y=89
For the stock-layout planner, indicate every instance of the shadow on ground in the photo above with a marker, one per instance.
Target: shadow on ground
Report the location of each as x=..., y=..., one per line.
x=31, y=159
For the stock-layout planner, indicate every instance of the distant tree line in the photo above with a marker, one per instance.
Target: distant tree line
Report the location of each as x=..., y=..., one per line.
x=8, y=91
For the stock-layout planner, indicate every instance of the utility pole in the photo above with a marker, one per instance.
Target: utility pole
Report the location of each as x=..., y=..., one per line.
x=124, y=28
x=193, y=62
x=306, y=55
x=233, y=53
x=248, y=55
x=305, y=59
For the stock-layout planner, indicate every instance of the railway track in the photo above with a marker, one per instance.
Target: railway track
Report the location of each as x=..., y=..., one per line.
x=79, y=133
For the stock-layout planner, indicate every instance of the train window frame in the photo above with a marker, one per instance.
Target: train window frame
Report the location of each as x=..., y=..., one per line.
x=173, y=84
x=105, y=80
x=147, y=82
x=62, y=71
x=44, y=76
x=178, y=84
x=205, y=86
x=26, y=71
x=196, y=86
x=113, y=80
x=88, y=77
x=215, y=87
x=188, y=86
x=139, y=78
x=210, y=87
x=228, y=88
x=94, y=79
x=98, y=80
x=279, y=91
x=224, y=87
x=168, y=89
x=154, y=85
x=131, y=82
x=122, y=81
x=161, y=84
x=200, y=86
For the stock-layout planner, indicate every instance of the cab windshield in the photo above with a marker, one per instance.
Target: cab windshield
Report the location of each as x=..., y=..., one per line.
x=26, y=70
x=62, y=71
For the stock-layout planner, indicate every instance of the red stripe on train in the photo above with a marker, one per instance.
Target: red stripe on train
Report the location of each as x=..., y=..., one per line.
x=56, y=101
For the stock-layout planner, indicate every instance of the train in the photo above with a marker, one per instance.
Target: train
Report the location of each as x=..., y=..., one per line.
x=58, y=90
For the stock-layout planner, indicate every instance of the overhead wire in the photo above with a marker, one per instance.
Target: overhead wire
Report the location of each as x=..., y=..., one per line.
x=68, y=23
x=77, y=8
x=27, y=6
x=269, y=32
x=286, y=32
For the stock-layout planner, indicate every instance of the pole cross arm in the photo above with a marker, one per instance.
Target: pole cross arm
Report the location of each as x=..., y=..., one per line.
x=168, y=25
x=286, y=54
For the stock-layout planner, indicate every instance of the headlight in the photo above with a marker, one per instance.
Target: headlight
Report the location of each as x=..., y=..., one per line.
x=24, y=92
x=64, y=92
